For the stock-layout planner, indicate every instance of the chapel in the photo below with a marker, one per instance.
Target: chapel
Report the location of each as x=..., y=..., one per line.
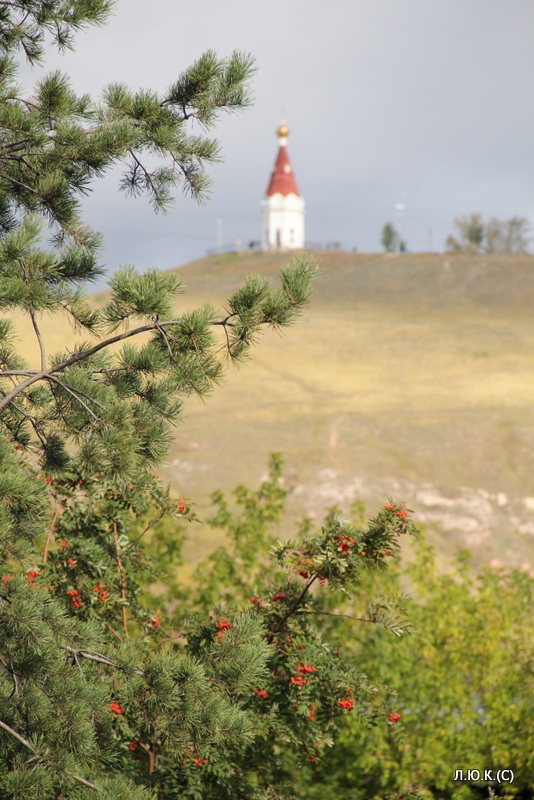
x=282, y=207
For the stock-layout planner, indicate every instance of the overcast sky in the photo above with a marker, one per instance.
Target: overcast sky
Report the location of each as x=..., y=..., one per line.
x=432, y=98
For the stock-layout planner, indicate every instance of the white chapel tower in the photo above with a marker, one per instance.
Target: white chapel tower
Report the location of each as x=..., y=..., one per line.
x=282, y=207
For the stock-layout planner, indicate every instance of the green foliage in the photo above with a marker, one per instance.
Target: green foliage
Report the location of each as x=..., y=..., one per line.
x=496, y=236
x=464, y=681
x=26, y=24
x=117, y=407
x=235, y=685
x=96, y=696
x=388, y=237
x=312, y=683
x=227, y=700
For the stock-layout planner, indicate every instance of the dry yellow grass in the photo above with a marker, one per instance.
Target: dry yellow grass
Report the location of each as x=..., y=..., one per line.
x=410, y=376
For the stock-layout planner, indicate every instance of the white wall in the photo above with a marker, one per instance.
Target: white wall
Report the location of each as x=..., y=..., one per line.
x=283, y=222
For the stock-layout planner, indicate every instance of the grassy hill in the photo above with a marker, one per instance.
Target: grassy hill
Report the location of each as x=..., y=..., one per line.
x=409, y=376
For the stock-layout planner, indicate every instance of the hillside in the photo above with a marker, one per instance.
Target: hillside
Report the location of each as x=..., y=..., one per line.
x=409, y=376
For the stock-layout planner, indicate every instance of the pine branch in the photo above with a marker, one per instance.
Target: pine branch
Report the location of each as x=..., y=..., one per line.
x=32, y=749
x=18, y=183
x=75, y=393
x=74, y=358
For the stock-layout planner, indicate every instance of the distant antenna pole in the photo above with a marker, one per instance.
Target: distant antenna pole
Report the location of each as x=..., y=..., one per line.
x=219, y=235
x=399, y=208
x=430, y=233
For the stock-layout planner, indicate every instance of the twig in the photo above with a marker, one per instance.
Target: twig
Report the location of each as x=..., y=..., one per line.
x=79, y=667
x=9, y=372
x=21, y=739
x=101, y=659
x=294, y=606
x=91, y=656
x=168, y=639
x=19, y=183
x=84, y=394
x=150, y=524
x=123, y=580
x=50, y=532
x=39, y=339
x=347, y=616
x=74, y=393
x=147, y=174
x=15, y=145
x=114, y=632
x=165, y=337
x=33, y=422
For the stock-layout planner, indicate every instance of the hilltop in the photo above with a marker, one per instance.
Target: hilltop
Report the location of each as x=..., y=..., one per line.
x=409, y=376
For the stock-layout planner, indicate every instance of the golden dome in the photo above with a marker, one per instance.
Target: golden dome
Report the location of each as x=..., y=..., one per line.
x=283, y=130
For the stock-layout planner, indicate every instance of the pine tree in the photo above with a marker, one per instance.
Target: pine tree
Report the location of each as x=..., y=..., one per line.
x=91, y=412
x=98, y=697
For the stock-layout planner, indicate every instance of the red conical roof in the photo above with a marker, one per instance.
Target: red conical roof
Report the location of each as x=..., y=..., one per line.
x=283, y=178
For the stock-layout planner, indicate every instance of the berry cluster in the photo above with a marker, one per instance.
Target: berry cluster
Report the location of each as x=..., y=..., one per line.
x=75, y=597
x=401, y=511
x=345, y=543
x=223, y=626
x=102, y=593
x=306, y=668
x=33, y=574
x=199, y=762
x=257, y=601
x=303, y=669
x=347, y=702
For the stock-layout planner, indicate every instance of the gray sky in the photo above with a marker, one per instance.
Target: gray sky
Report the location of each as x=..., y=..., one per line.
x=428, y=97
